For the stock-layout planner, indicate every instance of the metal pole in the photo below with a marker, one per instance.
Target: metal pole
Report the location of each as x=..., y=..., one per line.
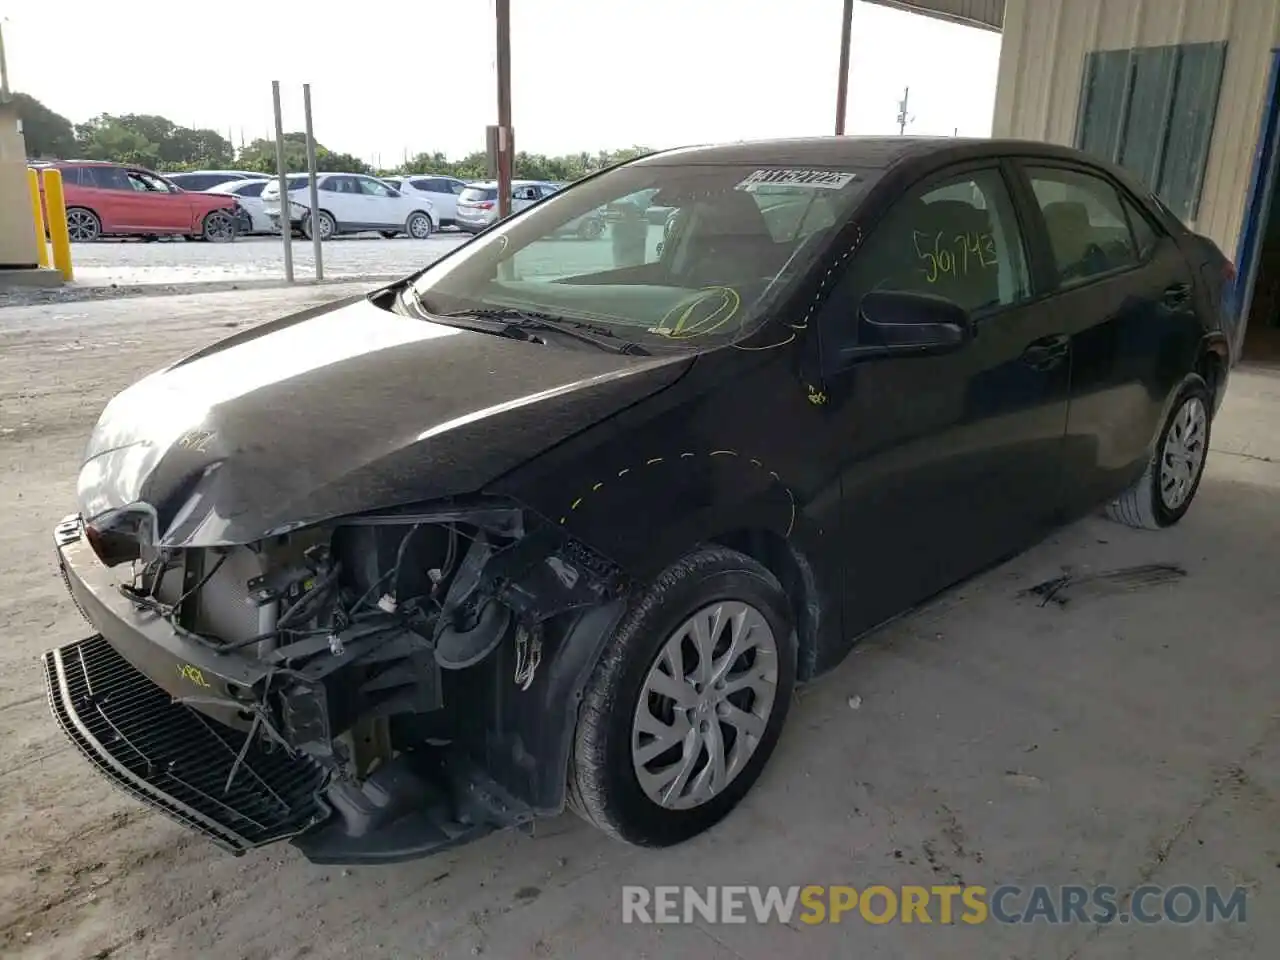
x=842, y=85
x=503, y=8
x=4, y=68
x=286, y=229
x=314, y=188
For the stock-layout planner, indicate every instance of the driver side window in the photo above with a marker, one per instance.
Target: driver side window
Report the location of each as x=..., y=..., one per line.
x=957, y=239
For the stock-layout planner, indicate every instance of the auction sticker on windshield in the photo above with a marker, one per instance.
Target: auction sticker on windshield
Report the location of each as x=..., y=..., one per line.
x=827, y=179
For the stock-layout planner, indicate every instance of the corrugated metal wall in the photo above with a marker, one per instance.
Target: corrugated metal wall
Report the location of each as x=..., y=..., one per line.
x=1042, y=62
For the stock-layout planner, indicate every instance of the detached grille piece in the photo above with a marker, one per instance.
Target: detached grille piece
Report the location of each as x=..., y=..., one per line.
x=175, y=759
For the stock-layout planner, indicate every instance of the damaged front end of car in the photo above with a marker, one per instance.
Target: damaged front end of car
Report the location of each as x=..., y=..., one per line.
x=376, y=687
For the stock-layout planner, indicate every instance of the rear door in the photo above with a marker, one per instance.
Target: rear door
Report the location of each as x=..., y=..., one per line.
x=340, y=195
x=948, y=463
x=1125, y=295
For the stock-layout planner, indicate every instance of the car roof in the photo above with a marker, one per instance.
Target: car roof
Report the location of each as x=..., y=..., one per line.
x=868, y=152
x=247, y=174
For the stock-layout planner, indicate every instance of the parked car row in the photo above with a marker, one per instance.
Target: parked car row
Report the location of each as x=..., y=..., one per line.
x=105, y=199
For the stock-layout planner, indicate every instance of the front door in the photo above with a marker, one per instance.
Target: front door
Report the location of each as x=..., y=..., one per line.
x=382, y=206
x=161, y=208
x=948, y=462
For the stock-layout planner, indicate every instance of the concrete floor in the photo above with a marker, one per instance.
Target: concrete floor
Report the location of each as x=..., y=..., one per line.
x=1131, y=736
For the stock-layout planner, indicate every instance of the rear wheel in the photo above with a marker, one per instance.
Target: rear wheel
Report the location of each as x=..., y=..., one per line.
x=686, y=704
x=83, y=225
x=1163, y=494
x=327, y=225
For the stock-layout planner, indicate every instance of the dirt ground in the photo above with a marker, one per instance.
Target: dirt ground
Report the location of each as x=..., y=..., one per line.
x=1129, y=736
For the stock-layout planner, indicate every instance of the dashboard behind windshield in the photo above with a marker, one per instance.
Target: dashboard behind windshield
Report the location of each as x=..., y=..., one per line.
x=663, y=252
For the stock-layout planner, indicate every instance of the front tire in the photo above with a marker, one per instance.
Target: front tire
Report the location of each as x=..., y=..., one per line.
x=687, y=702
x=1163, y=494
x=218, y=226
x=419, y=225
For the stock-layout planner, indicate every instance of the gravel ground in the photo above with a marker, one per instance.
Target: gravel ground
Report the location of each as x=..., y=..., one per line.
x=1131, y=736
x=129, y=268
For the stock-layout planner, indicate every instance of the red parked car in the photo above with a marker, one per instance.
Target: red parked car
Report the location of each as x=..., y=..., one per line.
x=111, y=199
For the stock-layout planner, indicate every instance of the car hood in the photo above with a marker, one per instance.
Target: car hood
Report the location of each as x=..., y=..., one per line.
x=339, y=409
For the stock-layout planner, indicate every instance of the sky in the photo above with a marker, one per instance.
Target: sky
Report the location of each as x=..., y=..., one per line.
x=403, y=76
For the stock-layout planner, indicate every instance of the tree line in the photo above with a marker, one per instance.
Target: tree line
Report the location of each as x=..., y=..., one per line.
x=155, y=142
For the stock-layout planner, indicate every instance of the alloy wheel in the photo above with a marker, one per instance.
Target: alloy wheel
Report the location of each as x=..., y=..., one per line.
x=704, y=705
x=82, y=226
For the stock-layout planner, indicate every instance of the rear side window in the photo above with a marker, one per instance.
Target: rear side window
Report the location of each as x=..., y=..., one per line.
x=105, y=178
x=1086, y=221
x=427, y=186
x=250, y=188
x=476, y=194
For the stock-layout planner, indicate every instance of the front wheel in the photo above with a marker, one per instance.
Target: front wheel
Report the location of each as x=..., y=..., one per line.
x=1163, y=494
x=218, y=227
x=686, y=704
x=418, y=225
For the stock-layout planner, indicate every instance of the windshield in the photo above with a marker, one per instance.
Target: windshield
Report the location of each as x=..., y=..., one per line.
x=685, y=253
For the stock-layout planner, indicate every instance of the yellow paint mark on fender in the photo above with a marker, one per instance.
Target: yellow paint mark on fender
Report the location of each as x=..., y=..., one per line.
x=192, y=675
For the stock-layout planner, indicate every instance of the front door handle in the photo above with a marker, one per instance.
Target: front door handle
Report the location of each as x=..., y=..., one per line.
x=1047, y=352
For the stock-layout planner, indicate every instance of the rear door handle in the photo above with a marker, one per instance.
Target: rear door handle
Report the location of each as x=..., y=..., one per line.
x=1047, y=352
x=1177, y=294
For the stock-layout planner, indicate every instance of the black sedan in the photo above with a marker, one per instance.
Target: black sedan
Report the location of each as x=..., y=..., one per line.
x=551, y=523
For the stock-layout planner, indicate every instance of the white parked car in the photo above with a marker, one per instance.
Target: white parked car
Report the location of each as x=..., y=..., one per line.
x=254, y=217
x=350, y=203
x=441, y=191
x=478, y=202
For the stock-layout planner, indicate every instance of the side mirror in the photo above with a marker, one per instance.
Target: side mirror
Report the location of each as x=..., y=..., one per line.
x=899, y=323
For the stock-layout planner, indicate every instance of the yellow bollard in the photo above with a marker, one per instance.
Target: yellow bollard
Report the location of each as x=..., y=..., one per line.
x=37, y=214
x=56, y=207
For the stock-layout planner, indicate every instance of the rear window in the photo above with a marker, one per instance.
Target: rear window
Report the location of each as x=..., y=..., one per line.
x=71, y=175
x=296, y=183
x=475, y=194
x=252, y=188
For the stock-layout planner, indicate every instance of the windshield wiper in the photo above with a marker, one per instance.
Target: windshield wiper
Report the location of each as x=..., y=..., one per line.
x=515, y=318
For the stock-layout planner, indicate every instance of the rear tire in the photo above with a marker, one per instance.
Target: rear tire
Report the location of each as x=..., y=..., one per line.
x=83, y=225
x=1163, y=494
x=614, y=742
x=328, y=226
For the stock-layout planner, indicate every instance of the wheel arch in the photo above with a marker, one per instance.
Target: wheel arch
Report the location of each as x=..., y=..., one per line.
x=1213, y=365
x=789, y=564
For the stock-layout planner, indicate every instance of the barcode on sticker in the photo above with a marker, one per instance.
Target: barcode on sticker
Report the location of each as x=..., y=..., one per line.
x=827, y=179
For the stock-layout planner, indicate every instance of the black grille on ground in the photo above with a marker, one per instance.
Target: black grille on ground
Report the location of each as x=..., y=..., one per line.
x=175, y=759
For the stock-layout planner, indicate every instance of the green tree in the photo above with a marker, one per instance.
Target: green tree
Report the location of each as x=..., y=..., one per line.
x=260, y=156
x=48, y=134
x=106, y=138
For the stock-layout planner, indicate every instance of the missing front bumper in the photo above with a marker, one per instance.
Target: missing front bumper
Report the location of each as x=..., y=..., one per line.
x=175, y=759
